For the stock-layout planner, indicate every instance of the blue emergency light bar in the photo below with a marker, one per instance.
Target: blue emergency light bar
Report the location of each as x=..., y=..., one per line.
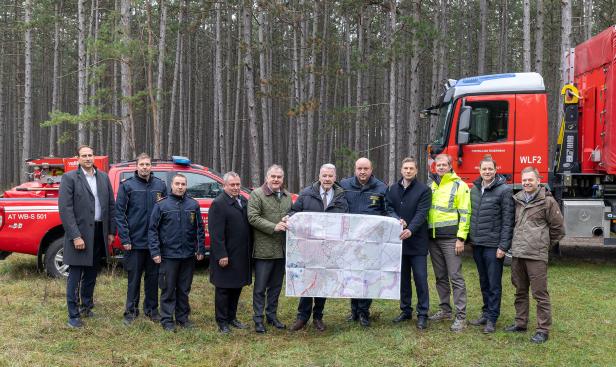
x=177, y=159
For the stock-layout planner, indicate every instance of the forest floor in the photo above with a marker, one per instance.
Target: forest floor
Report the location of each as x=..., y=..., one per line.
x=33, y=329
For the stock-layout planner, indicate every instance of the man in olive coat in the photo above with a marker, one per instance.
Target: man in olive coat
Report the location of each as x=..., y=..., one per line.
x=230, y=244
x=538, y=226
x=87, y=210
x=267, y=206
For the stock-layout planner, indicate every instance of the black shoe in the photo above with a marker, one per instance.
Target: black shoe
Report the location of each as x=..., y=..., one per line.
x=259, y=328
x=169, y=327
x=75, y=323
x=422, y=322
x=352, y=317
x=224, y=328
x=539, y=338
x=482, y=320
x=277, y=324
x=515, y=329
x=238, y=325
x=489, y=328
x=86, y=312
x=186, y=325
x=364, y=320
x=403, y=317
x=128, y=320
x=154, y=316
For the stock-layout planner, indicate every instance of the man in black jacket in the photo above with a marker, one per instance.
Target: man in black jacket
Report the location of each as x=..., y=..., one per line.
x=87, y=212
x=490, y=235
x=324, y=195
x=136, y=198
x=411, y=200
x=175, y=237
x=231, y=245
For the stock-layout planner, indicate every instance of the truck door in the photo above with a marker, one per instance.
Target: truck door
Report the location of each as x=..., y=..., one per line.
x=491, y=131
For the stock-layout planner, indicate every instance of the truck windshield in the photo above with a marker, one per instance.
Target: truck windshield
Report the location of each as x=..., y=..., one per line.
x=441, y=127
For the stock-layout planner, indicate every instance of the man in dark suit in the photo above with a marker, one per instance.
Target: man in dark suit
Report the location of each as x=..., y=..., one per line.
x=231, y=242
x=87, y=211
x=136, y=198
x=411, y=199
x=324, y=195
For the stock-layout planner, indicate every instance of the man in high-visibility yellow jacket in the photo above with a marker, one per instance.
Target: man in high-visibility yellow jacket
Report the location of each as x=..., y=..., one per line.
x=449, y=223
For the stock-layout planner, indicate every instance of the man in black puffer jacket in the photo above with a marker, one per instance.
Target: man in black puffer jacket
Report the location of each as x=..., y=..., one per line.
x=492, y=221
x=324, y=195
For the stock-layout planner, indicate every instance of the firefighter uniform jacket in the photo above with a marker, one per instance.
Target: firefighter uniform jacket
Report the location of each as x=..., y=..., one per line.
x=176, y=229
x=136, y=199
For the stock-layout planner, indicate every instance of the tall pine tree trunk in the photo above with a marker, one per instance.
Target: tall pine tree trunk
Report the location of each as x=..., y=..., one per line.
x=526, y=36
x=539, y=38
x=158, y=130
x=128, y=131
x=25, y=152
x=81, y=69
x=255, y=168
x=264, y=84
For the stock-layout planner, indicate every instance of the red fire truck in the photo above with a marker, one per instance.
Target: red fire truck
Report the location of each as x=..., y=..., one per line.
x=30, y=221
x=506, y=116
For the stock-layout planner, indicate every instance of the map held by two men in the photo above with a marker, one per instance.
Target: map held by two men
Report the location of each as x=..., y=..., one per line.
x=343, y=256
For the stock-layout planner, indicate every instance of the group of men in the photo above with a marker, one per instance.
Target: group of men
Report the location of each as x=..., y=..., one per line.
x=162, y=234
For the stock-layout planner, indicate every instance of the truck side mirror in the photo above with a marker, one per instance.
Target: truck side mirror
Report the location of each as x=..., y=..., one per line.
x=464, y=124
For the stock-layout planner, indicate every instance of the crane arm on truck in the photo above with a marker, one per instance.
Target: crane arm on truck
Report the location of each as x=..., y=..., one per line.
x=566, y=158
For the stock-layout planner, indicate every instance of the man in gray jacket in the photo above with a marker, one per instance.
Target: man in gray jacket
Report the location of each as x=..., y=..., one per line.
x=87, y=211
x=538, y=225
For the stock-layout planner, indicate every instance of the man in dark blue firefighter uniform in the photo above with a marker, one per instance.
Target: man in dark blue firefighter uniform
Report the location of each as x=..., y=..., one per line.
x=366, y=195
x=175, y=237
x=136, y=198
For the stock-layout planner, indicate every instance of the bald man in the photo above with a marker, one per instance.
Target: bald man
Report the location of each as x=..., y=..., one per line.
x=366, y=194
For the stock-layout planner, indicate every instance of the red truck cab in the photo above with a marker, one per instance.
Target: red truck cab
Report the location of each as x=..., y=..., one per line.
x=504, y=115
x=30, y=221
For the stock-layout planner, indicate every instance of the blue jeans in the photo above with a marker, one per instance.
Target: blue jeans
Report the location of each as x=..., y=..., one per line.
x=490, y=271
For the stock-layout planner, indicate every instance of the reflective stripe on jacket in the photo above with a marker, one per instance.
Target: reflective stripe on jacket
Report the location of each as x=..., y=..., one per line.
x=451, y=205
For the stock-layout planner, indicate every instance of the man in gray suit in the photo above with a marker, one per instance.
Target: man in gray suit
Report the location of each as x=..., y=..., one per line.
x=87, y=211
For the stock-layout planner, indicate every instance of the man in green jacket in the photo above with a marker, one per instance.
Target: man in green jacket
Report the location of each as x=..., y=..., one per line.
x=538, y=225
x=266, y=207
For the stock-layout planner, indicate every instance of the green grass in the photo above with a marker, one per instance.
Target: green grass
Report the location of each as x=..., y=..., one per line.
x=33, y=331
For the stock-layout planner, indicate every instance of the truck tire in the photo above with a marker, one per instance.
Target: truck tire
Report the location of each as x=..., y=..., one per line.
x=54, y=259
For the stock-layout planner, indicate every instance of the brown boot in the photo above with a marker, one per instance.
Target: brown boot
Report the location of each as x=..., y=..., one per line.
x=298, y=325
x=319, y=325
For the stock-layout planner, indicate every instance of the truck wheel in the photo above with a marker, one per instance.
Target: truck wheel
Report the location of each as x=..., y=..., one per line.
x=54, y=259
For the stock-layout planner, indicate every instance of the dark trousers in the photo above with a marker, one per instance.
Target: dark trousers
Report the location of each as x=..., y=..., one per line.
x=490, y=271
x=225, y=304
x=527, y=273
x=310, y=306
x=136, y=262
x=269, y=275
x=82, y=279
x=360, y=306
x=418, y=265
x=175, y=279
